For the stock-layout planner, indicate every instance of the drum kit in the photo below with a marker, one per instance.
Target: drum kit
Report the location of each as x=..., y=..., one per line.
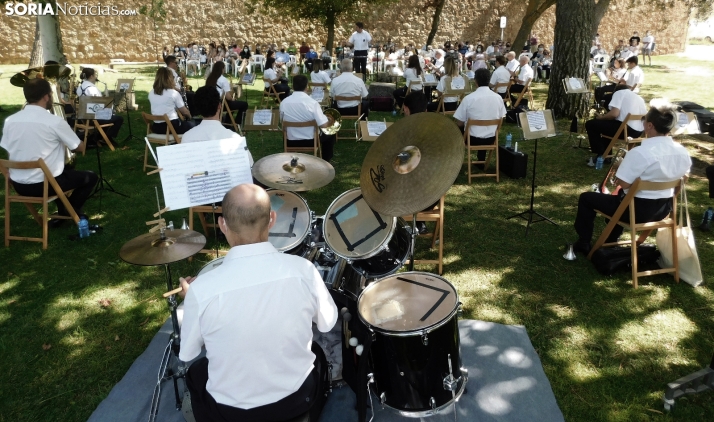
x=404, y=345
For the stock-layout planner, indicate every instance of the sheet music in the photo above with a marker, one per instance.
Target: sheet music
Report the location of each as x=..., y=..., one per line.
x=536, y=121
x=318, y=94
x=103, y=114
x=601, y=75
x=262, y=117
x=682, y=119
x=575, y=84
x=248, y=78
x=430, y=78
x=376, y=128
x=124, y=87
x=199, y=173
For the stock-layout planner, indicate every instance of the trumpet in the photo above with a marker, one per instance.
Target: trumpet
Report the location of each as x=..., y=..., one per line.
x=336, y=122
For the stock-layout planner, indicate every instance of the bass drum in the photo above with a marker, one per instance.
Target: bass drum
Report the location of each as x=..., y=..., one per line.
x=293, y=223
x=415, y=355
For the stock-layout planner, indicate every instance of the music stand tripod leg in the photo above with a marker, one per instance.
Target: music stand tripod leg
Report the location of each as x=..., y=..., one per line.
x=412, y=244
x=128, y=119
x=103, y=181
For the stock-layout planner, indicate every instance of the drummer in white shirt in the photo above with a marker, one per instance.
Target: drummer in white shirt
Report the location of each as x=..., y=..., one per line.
x=500, y=76
x=208, y=104
x=164, y=99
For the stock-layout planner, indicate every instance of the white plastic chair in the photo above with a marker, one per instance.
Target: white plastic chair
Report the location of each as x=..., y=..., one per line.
x=257, y=60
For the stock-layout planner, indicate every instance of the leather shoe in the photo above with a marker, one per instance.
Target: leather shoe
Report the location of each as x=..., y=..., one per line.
x=582, y=247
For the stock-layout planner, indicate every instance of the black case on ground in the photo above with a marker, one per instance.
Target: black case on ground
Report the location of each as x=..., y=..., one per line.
x=608, y=261
x=512, y=164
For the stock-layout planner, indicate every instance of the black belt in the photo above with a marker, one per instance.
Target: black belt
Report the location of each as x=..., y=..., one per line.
x=359, y=53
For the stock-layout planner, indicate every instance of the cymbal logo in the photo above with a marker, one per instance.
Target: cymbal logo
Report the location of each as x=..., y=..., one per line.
x=377, y=177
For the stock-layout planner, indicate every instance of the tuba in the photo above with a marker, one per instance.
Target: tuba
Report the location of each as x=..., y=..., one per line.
x=336, y=124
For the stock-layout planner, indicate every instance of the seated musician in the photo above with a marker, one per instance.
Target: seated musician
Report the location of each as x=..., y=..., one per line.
x=274, y=77
x=512, y=65
x=500, y=76
x=657, y=159
x=217, y=80
x=603, y=94
x=178, y=77
x=326, y=58
x=414, y=103
x=166, y=100
x=623, y=102
x=61, y=88
x=310, y=58
x=482, y=104
x=319, y=76
x=254, y=315
x=208, y=105
x=413, y=72
x=33, y=133
x=87, y=87
x=525, y=74
x=455, y=80
x=634, y=77
x=348, y=85
x=300, y=107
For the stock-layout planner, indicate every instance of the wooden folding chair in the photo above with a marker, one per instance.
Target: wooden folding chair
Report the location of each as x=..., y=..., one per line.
x=492, y=149
x=506, y=85
x=30, y=201
x=325, y=87
x=526, y=91
x=450, y=93
x=622, y=130
x=201, y=211
x=226, y=111
x=435, y=214
x=645, y=228
x=355, y=118
x=316, y=138
x=168, y=138
x=270, y=93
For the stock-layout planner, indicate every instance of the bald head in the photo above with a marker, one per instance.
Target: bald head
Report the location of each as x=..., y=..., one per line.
x=511, y=55
x=346, y=65
x=523, y=60
x=246, y=209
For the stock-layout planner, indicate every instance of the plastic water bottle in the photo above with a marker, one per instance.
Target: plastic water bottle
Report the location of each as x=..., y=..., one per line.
x=509, y=138
x=394, y=112
x=83, y=228
x=598, y=162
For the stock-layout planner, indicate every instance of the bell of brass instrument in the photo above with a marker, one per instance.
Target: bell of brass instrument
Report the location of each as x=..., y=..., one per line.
x=610, y=178
x=569, y=252
x=336, y=124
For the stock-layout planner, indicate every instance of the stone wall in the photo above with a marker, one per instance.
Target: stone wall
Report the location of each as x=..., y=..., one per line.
x=90, y=39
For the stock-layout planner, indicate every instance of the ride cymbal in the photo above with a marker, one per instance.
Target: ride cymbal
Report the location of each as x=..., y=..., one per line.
x=412, y=164
x=293, y=172
x=150, y=249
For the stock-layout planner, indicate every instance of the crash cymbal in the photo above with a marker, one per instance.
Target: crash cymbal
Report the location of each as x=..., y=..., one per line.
x=412, y=164
x=150, y=249
x=293, y=172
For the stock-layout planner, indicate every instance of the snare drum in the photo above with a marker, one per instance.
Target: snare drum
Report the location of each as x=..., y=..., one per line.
x=415, y=355
x=293, y=223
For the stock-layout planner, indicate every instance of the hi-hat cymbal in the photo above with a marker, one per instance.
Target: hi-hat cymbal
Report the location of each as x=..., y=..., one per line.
x=412, y=164
x=150, y=249
x=293, y=172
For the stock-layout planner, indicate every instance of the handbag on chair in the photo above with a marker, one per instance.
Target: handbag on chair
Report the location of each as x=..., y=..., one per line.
x=689, y=268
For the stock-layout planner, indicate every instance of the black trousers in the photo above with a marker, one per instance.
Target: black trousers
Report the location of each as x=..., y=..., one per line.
x=326, y=141
x=646, y=210
x=112, y=131
x=310, y=397
x=326, y=63
x=240, y=107
x=710, y=175
x=447, y=106
x=517, y=89
x=359, y=62
x=82, y=182
x=604, y=93
x=481, y=155
x=597, y=128
x=180, y=127
x=399, y=95
x=283, y=91
x=308, y=64
x=189, y=102
x=352, y=111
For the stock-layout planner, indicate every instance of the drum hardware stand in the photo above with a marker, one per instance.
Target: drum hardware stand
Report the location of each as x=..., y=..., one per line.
x=530, y=212
x=580, y=136
x=693, y=383
x=412, y=245
x=103, y=181
x=215, y=225
x=128, y=118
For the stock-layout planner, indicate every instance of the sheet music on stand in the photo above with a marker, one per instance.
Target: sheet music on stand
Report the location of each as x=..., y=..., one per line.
x=376, y=128
x=687, y=124
x=199, y=173
x=575, y=86
x=247, y=79
x=537, y=124
x=125, y=85
x=430, y=79
x=262, y=119
x=318, y=94
x=89, y=106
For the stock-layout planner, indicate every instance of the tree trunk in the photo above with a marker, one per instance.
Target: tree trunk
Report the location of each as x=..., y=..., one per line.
x=330, y=24
x=573, y=23
x=36, y=56
x=598, y=13
x=435, y=21
x=533, y=12
x=51, y=37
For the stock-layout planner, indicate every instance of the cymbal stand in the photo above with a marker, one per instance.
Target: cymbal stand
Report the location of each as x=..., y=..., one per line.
x=412, y=244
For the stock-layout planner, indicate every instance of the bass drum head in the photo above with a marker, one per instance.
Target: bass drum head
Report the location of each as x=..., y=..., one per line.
x=353, y=230
x=211, y=266
x=293, y=219
x=407, y=303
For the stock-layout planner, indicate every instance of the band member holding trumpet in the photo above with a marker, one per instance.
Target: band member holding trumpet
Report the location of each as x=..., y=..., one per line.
x=88, y=88
x=359, y=41
x=166, y=100
x=33, y=133
x=254, y=315
x=300, y=107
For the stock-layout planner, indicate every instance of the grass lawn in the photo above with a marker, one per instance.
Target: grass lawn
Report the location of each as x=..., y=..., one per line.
x=73, y=318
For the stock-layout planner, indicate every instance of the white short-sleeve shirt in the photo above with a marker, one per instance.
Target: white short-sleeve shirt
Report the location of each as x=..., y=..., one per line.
x=89, y=89
x=512, y=65
x=213, y=130
x=657, y=159
x=457, y=82
x=482, y=104
x=629, y=102
x=348, y=85
x=271, y=75
x=166, y=103
x=320, y=77
x=411, y=75
x=525, y=74
x=34, y=133
x=299, y=107
x=222, y=85
x=634, y=76
x=360, y=40
x=500, y=76
x=254, y=315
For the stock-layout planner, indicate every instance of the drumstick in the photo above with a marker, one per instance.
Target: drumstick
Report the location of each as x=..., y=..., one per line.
x=172, y=292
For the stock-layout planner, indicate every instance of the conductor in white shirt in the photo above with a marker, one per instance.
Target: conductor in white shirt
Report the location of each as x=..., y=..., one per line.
x=33, y=133
x=657, y=159
x=348, y=85
x=300, y=107
x=359, y=41
x=254, y=315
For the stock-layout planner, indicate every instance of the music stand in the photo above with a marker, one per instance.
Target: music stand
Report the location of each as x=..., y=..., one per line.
x=535, y=125
x=246, y=79
x=126, y=86
x=577, y=86
x=262, y=119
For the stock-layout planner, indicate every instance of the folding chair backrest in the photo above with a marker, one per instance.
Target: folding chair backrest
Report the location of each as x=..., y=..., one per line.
x=170, y=131
x=353, y=98
x=315, y=138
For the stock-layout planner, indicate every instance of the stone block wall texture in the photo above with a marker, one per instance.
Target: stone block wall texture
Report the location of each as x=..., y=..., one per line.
x=90, y=39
